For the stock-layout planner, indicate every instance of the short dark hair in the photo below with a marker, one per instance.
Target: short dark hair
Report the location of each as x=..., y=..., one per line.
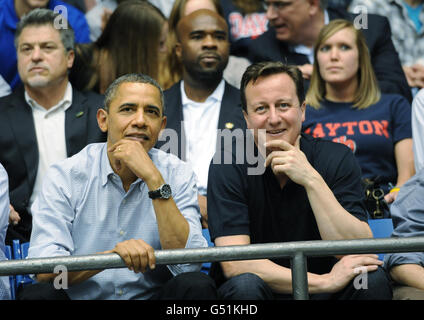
x=131, y=78
x=42, y=17
x=264, y=69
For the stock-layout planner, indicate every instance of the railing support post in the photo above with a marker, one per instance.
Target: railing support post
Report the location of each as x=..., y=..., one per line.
x=299, y=277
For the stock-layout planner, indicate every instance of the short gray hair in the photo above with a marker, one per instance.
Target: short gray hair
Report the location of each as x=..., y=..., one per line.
x=41, y=17
x=131, y=78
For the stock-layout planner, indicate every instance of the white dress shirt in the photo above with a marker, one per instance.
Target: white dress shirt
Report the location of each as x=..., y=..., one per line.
x=200, y=125
x=50, y=132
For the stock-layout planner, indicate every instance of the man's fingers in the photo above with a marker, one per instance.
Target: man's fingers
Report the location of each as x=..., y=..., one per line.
x=136, y=254
x=151, y=257
x=279, y=144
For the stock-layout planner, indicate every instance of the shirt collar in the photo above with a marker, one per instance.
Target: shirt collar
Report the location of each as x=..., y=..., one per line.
x=66, y=101
x=216, y=96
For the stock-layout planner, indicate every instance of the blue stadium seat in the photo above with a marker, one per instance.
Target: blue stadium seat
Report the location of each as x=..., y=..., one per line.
x=381, y=228
x=20, y=251
x=207, y=265
x=11, y=278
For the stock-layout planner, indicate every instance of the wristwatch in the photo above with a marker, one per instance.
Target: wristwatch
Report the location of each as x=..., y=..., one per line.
x=164, y=192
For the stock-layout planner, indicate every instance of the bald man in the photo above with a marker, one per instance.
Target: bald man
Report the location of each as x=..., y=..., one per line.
x=202, y=103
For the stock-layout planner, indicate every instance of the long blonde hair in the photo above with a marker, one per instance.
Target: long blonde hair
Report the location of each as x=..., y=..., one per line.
x=368, y=92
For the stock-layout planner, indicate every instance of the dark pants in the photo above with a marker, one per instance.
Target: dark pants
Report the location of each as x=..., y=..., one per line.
x=185, y=286
x=249, y=286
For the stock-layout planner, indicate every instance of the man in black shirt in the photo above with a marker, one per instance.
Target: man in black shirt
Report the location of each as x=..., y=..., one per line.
x=310, y=190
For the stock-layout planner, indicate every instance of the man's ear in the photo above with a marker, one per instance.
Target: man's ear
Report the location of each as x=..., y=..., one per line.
x=70, y=56
x=314, y=6
x=178, y=50
x=244, y=115
x=303, y=108
x=102, y=116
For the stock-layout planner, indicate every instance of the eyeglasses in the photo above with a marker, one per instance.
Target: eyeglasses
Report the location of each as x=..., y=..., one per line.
x=277, y=5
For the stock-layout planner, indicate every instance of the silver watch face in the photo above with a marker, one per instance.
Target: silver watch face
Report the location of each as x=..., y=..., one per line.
x=165, y=191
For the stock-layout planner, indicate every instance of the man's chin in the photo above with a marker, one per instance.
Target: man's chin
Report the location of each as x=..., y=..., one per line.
x=37, y=82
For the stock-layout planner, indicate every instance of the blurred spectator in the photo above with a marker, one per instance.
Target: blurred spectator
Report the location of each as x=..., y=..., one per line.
x=4, y=87
x=98, y=15
x=407, y=269
x=11, y=11
x=46, y=120
x=418, y=130
x=345, y=105
x=341, y=4
x=100, y=10
x=293, y=30
x=79, y=4
x=4, y=221
x=117, y=53
x=406, y=18
x=246, y=20
x=181, y=8
x=163, y=5
x=202, y=102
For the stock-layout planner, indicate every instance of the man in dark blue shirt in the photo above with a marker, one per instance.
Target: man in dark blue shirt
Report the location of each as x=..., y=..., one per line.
x=310, y=190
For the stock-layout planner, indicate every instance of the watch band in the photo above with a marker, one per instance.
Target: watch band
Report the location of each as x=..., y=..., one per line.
x=164, y=192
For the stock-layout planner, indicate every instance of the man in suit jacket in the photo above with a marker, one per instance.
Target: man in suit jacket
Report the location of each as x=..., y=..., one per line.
x=294, y=27
x=46, y=121
x=202, y=101
x=11, y=11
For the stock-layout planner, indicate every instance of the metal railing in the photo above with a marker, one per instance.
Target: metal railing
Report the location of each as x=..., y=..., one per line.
x=298, y=251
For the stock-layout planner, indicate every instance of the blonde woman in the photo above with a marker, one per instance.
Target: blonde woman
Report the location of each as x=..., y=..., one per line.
x=345, y=105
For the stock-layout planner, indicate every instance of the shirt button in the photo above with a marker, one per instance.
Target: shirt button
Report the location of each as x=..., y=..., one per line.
x=124, y=201
x=121, y=232
x=120, y=292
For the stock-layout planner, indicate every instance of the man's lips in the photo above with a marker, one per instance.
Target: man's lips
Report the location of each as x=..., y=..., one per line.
x=137, y=137
x=275, y=132
x=37, y=69
x=209, y=57
x=280, y=27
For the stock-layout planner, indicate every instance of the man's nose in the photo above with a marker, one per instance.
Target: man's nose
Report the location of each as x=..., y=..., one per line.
x=271, y=12
x=273, y=116
x=139, y=119
x=36, y=54
x=209, y=42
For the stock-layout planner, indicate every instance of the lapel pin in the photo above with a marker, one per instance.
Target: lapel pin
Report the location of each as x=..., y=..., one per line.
x=229, y=125
x=79, y=114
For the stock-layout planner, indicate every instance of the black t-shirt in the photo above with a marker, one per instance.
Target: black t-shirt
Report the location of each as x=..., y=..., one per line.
x=245, y=204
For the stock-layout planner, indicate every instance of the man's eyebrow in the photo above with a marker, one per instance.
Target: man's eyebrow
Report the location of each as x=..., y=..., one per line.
x=152, y=106
x=197, y=32
x=128, y=104
x=216, y=31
